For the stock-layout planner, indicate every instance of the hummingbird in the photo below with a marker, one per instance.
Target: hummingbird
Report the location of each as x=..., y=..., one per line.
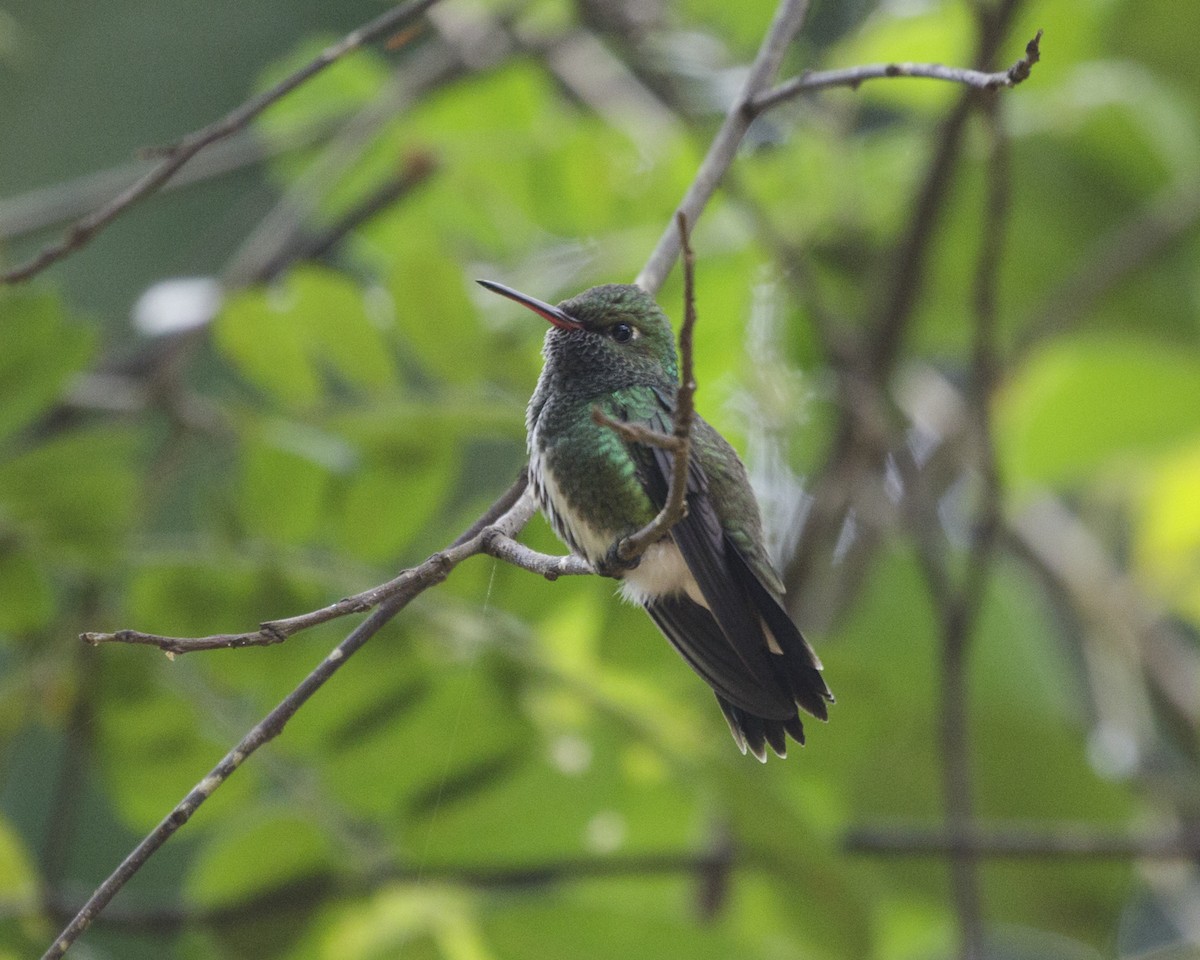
x=708, y=584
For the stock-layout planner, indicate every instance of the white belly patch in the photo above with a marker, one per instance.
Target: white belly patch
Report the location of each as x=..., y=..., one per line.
x=662, y=572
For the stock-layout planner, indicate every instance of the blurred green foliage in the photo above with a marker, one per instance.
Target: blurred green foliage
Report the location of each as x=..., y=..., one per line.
x=354, y=416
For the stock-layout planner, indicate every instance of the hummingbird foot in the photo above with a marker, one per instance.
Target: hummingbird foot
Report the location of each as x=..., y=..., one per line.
x=613, y=565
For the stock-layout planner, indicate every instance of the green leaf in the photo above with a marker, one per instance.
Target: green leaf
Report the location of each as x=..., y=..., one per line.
x=423, y=922
x=643, y=917
x=286, y=479
x=154, y=746
x=403, y=479
x=299, y=338
x=18, y=879
x=26, y=599
x=435, y=315
x=39, y=351
x=74, y=493
x=1078, y=405
x=252, y=857
x=1167, y=546
x=217, y=591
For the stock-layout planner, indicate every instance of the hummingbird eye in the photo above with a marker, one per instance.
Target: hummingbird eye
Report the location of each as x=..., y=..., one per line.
x=621, y=332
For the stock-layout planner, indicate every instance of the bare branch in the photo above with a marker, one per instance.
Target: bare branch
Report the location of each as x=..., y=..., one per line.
x=270, y=632
x=276, y=631
x=854, y=77
x=177, y=154
x=545, y=565
x=789, y=18
x=63, y=202
x=412, y=583
x=634, y=432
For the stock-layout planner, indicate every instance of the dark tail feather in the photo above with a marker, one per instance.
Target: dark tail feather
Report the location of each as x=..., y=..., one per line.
x=795, y=728
x=800, y=664
x=752, y=733
x=806, y=683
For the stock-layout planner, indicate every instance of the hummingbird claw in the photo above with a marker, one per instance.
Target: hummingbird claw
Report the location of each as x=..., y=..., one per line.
x=613, y=565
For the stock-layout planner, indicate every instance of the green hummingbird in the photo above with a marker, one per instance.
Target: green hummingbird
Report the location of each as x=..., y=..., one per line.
x=708, y=584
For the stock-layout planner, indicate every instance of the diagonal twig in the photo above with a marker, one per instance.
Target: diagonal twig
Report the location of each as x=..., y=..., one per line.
x=493, y=541
x=412, y=583
x=789, y=18
x=177, y=154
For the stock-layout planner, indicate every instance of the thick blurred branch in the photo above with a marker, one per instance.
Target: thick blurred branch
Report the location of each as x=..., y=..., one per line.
x=179, y=153
x=264, y=252
x=1117, y=255
x=62, y=202
x=1033, y=840
x=301, y=246
x=961, y=611
x=1072, y=560
x=704, y=866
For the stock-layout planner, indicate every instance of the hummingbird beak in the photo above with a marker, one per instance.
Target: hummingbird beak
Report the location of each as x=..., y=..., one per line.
x=557, y=317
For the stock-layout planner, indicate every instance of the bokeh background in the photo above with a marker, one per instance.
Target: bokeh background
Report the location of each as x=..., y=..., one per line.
x=274, y=384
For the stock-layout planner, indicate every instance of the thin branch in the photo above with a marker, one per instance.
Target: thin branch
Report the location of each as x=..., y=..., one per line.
x=854, y=77
x=179, y=153
x=545, y=565
x=63, y=202
x=1035, y=841
x=492, y=540
x=284, y=225
x=412, y=583
x=789, y=18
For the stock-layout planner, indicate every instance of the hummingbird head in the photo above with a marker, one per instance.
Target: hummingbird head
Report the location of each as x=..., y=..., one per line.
x=605, y=338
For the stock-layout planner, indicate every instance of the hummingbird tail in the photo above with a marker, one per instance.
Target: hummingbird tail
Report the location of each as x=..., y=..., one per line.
x=752, y=733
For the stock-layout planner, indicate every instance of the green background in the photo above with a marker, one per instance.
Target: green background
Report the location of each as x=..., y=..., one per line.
x=354, y=416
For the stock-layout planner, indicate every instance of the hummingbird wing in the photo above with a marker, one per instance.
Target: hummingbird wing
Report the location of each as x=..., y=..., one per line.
x=744, y=644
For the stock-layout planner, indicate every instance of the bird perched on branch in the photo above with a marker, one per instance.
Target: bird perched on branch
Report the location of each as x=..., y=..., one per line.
x=708, y=584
